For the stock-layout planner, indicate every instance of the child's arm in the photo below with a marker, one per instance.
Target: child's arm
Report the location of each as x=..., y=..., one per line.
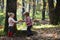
x=22, y=21
x=14, y=21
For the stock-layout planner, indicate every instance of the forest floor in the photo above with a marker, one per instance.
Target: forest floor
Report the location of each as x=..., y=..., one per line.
x=38, y=34
x=42, y=34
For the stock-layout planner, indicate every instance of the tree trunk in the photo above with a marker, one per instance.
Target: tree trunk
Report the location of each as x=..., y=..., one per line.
x=34, y=9
x=51, y=11
x=23, y=8
x=29, y=5
x=38, y=6
x=57, y=12
x=10, y=7
x=2, y=5
x=43, y=11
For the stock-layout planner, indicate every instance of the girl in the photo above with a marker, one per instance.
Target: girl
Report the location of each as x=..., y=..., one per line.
x=28, y=23
x=11, y=23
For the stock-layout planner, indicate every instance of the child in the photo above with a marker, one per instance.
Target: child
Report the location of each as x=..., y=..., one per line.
x=28, y=23
x=11, y=23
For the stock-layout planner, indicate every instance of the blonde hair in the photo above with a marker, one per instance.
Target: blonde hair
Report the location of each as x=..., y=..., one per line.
x=10, y=14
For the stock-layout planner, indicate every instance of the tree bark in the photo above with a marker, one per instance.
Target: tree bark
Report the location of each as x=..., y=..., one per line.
x=2, y=5
x=34, y=9
x=29, y=5
x=43, y=10
x=23, y=8
x=57, y=12
x=38, y=5
x=10, y=7
x=51, y=11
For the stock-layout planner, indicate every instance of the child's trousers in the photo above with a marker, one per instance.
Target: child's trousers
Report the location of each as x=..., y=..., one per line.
x=29, y=32
x=10, y=31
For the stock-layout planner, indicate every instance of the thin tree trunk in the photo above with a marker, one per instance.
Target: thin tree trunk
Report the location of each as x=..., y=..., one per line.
x=43, y=11
x=29, y=5
x=2, y=5
x=37, y=5
x=23, y=8
x=10, y=7
x=34, y=9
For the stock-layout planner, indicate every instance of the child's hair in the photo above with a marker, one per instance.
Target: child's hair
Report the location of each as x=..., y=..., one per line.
x=26, y=13
x=10, y=14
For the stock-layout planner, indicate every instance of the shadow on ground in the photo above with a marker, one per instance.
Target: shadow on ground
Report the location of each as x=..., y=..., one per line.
x=24, y=33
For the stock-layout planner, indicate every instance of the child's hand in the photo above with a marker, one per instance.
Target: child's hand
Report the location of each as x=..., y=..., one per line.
x=19, y=20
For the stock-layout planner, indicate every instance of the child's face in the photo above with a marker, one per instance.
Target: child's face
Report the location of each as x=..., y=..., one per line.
x=25, y=15
x=13, y=15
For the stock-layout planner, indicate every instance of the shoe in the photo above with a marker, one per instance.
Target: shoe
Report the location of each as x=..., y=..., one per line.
x=31, y=34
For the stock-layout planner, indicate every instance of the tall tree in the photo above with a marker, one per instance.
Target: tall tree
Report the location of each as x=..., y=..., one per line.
x=10, y=7
x=29, y=5
x=54, y=14
x=2, y=5
x=51, y=11
x=43, y=10
x=38, y=5
x=23, y=8
x=57, y=12
x=34, y=8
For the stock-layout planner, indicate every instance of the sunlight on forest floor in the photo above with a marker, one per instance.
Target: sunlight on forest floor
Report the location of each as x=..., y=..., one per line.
x=35, y=27
x=23, y=27
x=45, y=26
x=38, y=27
